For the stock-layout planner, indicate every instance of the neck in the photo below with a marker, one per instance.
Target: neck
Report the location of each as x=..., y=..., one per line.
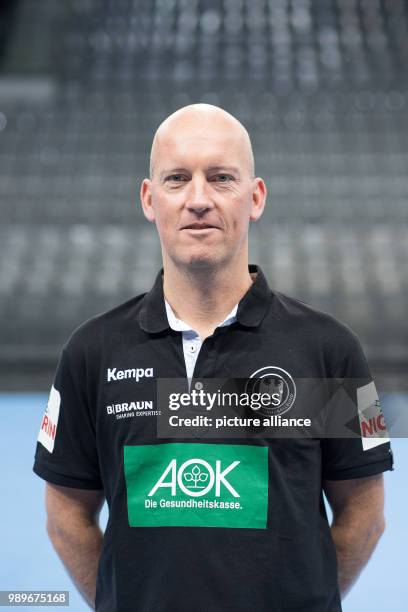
x=204, y=297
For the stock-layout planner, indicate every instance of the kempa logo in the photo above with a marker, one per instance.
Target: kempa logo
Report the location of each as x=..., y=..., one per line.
x=136, y=373
x=276, y=382
x=195, y=478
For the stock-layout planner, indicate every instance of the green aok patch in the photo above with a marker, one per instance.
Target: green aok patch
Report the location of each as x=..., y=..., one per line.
x=197, y=485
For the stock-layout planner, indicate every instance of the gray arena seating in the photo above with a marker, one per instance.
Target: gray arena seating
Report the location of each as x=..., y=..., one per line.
x=322, y=88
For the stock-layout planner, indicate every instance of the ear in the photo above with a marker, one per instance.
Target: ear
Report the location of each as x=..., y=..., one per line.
x=146, y=200
x=258, y=199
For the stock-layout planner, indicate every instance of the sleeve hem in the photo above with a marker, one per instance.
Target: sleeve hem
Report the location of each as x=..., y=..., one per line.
x=360, y=471
x=65, y=481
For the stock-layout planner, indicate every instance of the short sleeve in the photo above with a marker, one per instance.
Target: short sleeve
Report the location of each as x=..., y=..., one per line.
x=364, y=446
x=66, y=452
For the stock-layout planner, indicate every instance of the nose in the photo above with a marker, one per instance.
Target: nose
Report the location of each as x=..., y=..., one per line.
x=199, y=199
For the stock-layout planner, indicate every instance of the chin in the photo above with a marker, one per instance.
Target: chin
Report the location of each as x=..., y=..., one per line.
x=201, y=264
x=200, y=260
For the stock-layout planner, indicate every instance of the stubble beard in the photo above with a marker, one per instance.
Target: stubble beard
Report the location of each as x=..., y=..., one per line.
x=200, y=260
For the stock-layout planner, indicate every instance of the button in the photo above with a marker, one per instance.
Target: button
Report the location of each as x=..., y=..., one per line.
x=192, y=348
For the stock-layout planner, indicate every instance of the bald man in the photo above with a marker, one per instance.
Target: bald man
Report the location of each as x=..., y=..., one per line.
x=215, y=524
x=202, y=194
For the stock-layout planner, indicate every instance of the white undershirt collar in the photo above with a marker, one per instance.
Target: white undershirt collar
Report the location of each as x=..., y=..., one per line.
x=179, y=325
x=192, y=341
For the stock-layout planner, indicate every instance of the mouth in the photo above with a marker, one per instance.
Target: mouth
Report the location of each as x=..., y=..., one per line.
x=199, y=227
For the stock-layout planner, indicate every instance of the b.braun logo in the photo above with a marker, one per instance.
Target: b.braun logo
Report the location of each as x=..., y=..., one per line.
x=275, y=382
x=195, y=478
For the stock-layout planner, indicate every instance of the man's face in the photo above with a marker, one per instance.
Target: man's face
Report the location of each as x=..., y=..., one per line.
x=202, y=195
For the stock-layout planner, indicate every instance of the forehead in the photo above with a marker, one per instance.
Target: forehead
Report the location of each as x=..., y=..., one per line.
x=210, y=143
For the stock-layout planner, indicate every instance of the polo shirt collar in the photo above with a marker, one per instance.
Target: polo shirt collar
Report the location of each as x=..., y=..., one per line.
x=179, y=325
x=256, y=301
x=251, y=309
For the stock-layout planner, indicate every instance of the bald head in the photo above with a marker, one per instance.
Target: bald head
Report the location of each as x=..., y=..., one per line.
x=201, y=120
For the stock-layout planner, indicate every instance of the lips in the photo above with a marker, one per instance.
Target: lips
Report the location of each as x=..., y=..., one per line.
x=199, y=226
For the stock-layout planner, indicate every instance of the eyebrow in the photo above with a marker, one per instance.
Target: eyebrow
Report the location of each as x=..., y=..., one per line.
x=232, y=169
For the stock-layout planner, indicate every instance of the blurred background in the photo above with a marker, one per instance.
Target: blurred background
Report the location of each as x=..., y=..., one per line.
x=322, y=87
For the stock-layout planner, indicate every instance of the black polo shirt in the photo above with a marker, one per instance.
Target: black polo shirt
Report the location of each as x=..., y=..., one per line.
x=214, y=524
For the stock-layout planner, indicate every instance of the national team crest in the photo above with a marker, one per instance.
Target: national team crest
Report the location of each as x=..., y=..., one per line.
x=277, y=383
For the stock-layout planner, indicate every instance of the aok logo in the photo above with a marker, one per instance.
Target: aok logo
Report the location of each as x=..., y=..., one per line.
x=195, y=478
x=183, y=484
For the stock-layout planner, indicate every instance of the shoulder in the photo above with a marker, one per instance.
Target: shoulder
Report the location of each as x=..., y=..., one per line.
x=101, y=329
x=314, y=326
x=298, y=312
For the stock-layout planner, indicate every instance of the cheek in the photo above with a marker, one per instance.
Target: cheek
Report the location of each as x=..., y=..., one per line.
x=166, y=214
x=167, y=222
x=240, y=211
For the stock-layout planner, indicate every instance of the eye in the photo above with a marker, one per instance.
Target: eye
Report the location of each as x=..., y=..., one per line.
x=175, y=178
x=224, y=178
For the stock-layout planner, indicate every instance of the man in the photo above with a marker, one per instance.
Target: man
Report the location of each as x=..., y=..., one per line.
x=211, y=525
